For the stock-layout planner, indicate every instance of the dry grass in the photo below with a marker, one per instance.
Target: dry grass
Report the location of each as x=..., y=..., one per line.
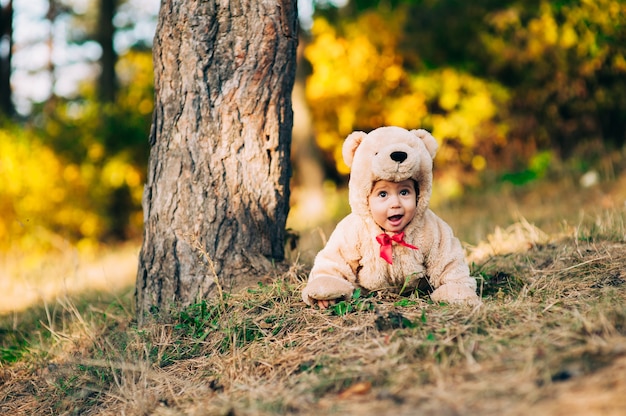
x=551, y=333
x=30, y=278
x=550, y=338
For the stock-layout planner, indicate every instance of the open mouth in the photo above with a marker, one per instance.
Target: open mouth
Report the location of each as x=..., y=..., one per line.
x=395, y=218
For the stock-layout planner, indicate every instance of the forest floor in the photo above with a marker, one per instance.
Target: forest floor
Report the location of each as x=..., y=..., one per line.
x=549, y=338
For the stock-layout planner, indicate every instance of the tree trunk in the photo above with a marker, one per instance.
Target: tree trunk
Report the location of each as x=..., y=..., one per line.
x=107, y=81
x=6, y=46
x=217, y=196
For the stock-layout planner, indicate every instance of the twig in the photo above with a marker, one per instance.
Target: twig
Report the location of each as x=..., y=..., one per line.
x=574, y=266
x=198, y=246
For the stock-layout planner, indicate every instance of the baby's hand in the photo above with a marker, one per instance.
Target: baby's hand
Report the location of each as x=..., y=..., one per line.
x=325, y=290
x=324, y=303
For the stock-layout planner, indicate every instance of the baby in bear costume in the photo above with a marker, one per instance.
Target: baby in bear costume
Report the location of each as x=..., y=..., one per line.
x=391, y=240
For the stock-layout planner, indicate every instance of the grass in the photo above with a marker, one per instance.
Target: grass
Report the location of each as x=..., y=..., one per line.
x=550, y=338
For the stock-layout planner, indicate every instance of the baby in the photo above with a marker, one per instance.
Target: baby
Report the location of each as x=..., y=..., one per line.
x=391, y=240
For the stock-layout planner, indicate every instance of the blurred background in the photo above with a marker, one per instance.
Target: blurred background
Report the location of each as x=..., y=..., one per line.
x=526, y=98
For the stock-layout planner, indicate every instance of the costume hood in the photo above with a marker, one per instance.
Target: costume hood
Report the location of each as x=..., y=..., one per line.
x=392, y=154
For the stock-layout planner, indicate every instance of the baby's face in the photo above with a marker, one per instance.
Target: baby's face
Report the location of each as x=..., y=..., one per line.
x=393, y=204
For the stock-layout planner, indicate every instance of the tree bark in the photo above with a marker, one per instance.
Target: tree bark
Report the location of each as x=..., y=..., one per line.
x=217, y=197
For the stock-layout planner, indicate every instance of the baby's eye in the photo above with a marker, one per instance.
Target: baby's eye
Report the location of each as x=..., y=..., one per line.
x=405, y=192
x=382, y=194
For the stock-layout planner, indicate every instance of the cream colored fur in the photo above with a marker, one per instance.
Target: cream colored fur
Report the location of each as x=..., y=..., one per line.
x=351, y=258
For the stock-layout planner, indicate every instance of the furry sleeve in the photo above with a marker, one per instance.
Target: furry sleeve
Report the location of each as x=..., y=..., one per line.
x=445, y=264
x=333, y=275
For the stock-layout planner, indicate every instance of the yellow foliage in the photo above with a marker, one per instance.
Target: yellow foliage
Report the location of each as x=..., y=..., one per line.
x=568, y=36
x=479, y=163
x=543, y=33
x=82, y=179
x=341, y=166
x=402, y=111
x=393, y=75
x=448, y=187
x=31, y=187
x=135, y=70
x=145, y=106
x=71, y=173
x=470, y=103
x=619, y=63
x=91, y=225
x=358, y=81
x=95, y=151
x=118, y=172
x=43, y=198
x=114, y=173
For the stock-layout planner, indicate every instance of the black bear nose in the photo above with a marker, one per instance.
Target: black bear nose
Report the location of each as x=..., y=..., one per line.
x=398, y=156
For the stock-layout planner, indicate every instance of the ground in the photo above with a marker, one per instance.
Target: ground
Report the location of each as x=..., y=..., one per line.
x=549, y=338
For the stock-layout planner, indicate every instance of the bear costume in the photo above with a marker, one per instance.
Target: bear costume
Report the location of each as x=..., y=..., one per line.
x=359, y=254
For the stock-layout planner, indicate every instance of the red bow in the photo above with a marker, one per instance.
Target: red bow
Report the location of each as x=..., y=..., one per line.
x=385, y=242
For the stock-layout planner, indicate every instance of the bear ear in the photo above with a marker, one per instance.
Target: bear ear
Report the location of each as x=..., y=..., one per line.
x=350, y=145
x=429, y=141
